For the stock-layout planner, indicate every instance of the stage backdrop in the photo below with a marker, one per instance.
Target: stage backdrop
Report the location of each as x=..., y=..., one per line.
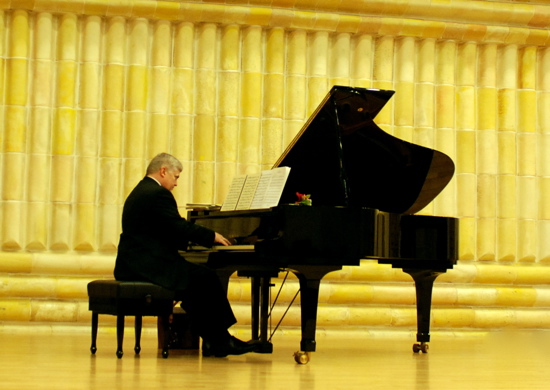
x=91, y=90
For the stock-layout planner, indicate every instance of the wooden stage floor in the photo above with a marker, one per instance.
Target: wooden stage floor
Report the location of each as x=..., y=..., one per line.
x=44, y=357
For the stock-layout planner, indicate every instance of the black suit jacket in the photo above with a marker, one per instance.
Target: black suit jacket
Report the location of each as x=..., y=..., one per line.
x=152, y=233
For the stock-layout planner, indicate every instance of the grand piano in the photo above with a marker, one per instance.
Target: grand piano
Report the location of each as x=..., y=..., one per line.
x=365, y=187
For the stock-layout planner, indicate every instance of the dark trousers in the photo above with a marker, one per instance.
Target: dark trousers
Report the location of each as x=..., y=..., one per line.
x=205, y=300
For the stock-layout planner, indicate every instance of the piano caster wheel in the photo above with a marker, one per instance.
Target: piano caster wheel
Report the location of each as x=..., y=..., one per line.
x=421, y=347
x=301, y=357
x=119, y=354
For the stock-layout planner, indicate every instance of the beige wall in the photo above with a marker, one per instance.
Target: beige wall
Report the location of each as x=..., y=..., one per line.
x=93, y=89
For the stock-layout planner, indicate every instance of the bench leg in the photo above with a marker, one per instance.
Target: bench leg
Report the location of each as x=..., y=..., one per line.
x=166, y=330
x=95, y=317
x=119, y=335
x=137, y=327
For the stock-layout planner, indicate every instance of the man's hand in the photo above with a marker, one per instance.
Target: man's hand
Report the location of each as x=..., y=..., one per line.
x=219, y=239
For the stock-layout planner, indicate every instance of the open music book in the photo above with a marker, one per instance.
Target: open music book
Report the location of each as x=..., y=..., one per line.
x=256, y=191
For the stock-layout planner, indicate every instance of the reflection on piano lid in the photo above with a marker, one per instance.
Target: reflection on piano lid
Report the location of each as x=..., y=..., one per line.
x=342, y=158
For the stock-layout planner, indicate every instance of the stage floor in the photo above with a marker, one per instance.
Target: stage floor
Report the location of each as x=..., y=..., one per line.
x=45, y=357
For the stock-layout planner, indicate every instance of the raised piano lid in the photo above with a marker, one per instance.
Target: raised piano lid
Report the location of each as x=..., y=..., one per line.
x=342, y=158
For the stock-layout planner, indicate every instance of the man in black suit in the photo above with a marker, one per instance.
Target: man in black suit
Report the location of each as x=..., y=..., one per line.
x=153, y=232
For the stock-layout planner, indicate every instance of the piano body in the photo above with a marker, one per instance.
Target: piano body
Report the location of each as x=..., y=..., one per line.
x=365, y=186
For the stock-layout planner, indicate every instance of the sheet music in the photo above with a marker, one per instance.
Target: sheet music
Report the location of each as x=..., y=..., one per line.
x=270, y=188
x=276, y=187
x=256, y=191
x=234, y=193
x=261, y=190
x=248, y=192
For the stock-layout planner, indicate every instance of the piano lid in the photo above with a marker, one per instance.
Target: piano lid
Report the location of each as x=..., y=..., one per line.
x=342, y=158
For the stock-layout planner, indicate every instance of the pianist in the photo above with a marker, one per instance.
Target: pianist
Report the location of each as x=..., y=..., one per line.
x=152, y=233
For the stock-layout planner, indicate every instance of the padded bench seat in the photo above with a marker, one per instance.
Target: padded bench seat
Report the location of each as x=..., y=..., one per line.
x=121, y=298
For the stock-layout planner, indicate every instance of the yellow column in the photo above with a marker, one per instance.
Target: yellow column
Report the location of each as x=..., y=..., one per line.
x=182, y=105
x=87, y=139
x=404, y=98
x=424, y=90
x=204, y=134
x=40, y=132
x=251, y=100
x=542, y=85
x=423, y=99
x=251, y=84
x=466, y=157
x=383, y=76
x=340, y=53
x=445, y=133
x=529, y=141
x=506, y=179
x=361, y=67
x=273, y=97
x=229, y=96
x=183, y=76
x=159, y=96
x=486, y=151
x=64, y=132
x=295, y=93
x=446, y=80
x=110, y=148
x=15, y=131
x=318, y=68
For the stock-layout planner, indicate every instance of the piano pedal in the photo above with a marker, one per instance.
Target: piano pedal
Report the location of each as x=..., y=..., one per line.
x=301, y=357
x=421, y=347
x=262, y=346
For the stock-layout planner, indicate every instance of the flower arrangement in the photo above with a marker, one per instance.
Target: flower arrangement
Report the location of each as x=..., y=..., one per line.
x=303, y=199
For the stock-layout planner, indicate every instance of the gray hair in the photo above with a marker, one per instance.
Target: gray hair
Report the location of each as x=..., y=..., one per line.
x=164, y=160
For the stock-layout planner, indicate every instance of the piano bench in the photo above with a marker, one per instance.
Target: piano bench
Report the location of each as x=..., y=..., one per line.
x=136, y=299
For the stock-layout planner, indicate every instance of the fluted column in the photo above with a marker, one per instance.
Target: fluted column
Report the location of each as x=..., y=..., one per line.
x=14, y=143
x=486, y=152
x=87, y=165
x=295, y=91
x=40, y=132
x=204, y=133
x=273, y=98
x=445, y=135
x=466, y=158
x=116, y=76
x=362, y=59
x=403, y=115
x=318, y=69
x=182, y=105
x=250, y=99
x=383, y=68
x=543, y=130
x=227, y=146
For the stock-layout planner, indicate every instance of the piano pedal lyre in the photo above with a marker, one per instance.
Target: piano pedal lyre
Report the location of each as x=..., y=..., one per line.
x=421, y=347
x=301, y=357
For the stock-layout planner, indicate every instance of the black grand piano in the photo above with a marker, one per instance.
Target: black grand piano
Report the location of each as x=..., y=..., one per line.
x=365, y=187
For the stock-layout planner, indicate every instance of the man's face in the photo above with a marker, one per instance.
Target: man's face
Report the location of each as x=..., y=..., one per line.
x=169, y=178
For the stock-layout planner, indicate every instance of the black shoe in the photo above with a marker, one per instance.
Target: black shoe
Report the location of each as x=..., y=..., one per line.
x=232, y=346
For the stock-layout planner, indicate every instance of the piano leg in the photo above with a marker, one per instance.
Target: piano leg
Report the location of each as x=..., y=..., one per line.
x=424, y=281
x=260, y=311
x=255, y=287
x=309, y=298
x=310, y=280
